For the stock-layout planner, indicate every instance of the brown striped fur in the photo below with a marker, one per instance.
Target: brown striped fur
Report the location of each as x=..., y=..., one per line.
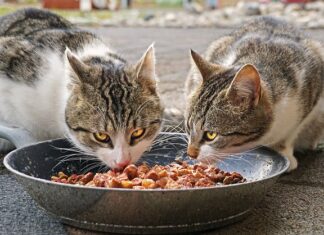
x=286, y=113
x=57, y=80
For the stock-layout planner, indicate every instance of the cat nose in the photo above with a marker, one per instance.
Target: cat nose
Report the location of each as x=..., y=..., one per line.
x=123, y=164
x=192, y=151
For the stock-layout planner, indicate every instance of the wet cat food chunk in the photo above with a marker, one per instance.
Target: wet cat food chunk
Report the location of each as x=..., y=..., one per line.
x=177, y=175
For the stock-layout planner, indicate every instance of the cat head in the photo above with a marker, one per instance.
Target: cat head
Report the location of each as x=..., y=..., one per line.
x=114, y=111
x=228, y=112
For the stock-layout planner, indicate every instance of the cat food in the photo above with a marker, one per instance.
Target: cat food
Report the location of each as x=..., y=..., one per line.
x=176, y=175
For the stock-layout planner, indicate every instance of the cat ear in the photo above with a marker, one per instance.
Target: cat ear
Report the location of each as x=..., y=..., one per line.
x=245, y=88
x=206, y=68
x=145, y=67
x=77, y=66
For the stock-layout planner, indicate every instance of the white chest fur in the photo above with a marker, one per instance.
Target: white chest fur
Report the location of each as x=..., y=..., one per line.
x=286, y=119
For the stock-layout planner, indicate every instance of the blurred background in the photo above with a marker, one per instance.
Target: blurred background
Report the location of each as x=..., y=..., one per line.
x=175, y=13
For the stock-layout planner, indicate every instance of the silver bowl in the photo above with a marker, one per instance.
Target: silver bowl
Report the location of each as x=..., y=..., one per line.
x=144, y=211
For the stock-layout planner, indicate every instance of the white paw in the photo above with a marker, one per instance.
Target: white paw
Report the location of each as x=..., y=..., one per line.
x=288, y=153
x=293, y=163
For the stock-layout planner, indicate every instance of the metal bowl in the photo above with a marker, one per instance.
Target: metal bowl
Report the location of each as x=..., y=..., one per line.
x=144, y=211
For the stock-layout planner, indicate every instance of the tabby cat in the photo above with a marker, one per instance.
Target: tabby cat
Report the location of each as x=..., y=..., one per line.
x=58, y=80
x=261, y=85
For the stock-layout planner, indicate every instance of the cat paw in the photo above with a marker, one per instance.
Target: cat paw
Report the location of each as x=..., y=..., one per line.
x=293, y=163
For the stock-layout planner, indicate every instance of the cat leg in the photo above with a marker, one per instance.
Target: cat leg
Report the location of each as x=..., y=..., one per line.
x=312, y=132
x=310, y=136
x=287, y=151
x=305, y=136
x=287, y=148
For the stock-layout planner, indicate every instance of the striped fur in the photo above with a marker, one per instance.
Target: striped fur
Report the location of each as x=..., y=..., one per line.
x=88, y=88
x=290, y=67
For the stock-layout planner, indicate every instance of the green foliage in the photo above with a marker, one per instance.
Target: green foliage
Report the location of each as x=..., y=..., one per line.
x=29, y=1
x=6, y=10
x=169, y=2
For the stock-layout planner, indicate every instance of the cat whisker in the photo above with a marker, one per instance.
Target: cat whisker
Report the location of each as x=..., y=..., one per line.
x=173, y=128
x=87, y=152
x=81, y=156
x=174, y=145
x=91, y=168
x=73, y=151
x=229, y=157
x=73, y=155
x=75, y=159
x=69, y=160
x=167, y=138
x=104, y=168
x=98, y=163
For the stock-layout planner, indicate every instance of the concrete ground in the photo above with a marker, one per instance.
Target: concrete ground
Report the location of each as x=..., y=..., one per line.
x=295, y=205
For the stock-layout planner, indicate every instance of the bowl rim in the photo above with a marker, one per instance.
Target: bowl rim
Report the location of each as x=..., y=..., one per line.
x=45, y=181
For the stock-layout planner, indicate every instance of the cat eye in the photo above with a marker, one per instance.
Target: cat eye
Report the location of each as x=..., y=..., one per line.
x=209, y=136
x=138, y=133
x=101, y=137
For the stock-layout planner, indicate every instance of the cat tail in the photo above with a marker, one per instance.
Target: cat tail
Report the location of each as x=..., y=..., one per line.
x=173, y=120
x=12, y=137
x=6, y=146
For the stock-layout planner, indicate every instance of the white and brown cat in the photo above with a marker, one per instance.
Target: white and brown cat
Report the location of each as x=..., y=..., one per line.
x=108, y=108
x=261, y=85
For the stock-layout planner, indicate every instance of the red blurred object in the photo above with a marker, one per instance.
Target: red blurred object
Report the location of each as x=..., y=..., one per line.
x=61, y=4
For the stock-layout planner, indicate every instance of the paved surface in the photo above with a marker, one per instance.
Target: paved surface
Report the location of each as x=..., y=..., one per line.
x=295, y=205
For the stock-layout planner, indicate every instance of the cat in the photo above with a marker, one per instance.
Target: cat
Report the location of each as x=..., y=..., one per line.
x=57, y=80
x=261, y=85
